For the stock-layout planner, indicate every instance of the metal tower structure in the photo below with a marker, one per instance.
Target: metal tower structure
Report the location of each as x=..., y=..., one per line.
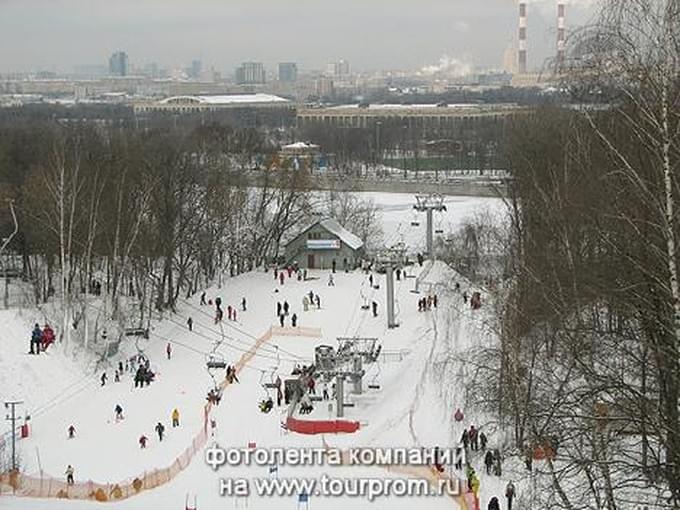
x=428, y=204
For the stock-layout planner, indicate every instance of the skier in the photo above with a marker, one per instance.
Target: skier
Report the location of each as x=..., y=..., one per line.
x=47, y=337
x=278, y=309
x=483, y=440
x=305, y=303
x=325, y=391
x=290, y=271
x=218, y=302
x=434, y=300
x=142, y=441
x=168, y=350
x=229, y=312
x=175, y=417
x=488, y=461
x=119, y=412
x=233, y=314
x=286, y=307
x=374, y=305
x=120, y=367
x=203, y=298
x=71, y=432
x=333, y=265
x=36, y=339
x=398, y=274
x=281, y=319
x=69, y=474
x=281, y=277
x=293, y=320
x=465, y=297
x=493, y=504
x=116, y=376
x=243, y=304
x=103, y=378
x=190, y=323
x=160, y=428
x=304, y=274
x=420, y=259
x=311, y=297
x=510, y=494
x=370, y=279
x=318, y=301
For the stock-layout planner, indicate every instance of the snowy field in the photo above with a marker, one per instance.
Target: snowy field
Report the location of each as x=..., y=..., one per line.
x=407, y=409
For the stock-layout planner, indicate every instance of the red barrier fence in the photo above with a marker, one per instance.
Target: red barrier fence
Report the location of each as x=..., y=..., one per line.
x=321, y=426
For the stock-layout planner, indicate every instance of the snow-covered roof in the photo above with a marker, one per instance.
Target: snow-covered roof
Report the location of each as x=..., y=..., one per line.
x=300, y=145
x=226, y=99
x=336, y=229
x=343, y=234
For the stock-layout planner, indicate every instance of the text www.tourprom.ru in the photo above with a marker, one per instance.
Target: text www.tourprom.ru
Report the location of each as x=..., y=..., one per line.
x=325, y=486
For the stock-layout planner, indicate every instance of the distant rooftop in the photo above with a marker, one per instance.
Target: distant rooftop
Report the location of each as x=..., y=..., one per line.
x=225, y=99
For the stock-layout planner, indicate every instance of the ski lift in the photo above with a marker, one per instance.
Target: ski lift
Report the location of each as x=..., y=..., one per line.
x=215, y=361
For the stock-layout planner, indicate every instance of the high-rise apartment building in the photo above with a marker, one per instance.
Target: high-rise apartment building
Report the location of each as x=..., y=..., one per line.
x=288, y=71
x=250, y=73
x=119, y=64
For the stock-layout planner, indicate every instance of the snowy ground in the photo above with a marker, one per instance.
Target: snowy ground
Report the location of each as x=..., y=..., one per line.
x=407, y=410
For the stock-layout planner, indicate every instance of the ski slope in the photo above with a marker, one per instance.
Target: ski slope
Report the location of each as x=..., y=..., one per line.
x=409, y=409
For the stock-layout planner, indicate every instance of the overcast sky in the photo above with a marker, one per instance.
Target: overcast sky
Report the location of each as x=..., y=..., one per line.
x=371, y=34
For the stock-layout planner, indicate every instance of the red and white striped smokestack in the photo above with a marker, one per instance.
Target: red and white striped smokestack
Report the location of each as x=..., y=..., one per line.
x=561, y=11
x=522, y=39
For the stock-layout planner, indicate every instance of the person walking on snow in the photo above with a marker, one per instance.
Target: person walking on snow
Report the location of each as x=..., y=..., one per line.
x=71, y=432
x=142, y=441
x=374, y=305
x=190, y=323
x=168, y=350
x=286, y=308
x=293, y=320
x=103, y=378
x=175, y=417
x=119, y=412
x=370, y=279
x=36, y=339
x=160, y=428
x=281, y=277
x=229, y=312
x=510, y=494
x=483, y=440
x=47, y=337
x=281, y=319
x=488, y=461
x=243, y=304
x=278, y=309
x=331, y=282
x=69, y=475
x=318, y=301
x=203, y=298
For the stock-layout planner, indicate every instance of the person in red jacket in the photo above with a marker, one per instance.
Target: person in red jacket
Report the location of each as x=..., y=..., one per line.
x=47, y=337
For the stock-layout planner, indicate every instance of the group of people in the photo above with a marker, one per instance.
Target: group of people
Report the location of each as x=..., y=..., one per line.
x=41, y=339
x=232, y=311
x=160, y=429
x=425, y=304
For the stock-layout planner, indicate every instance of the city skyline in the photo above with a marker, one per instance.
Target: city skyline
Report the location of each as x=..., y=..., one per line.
x=60, y=35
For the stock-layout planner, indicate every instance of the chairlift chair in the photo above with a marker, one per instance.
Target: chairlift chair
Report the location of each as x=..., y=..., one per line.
x=216, y=361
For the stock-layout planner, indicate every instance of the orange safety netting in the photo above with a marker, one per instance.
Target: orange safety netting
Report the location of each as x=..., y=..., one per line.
x=49, y=487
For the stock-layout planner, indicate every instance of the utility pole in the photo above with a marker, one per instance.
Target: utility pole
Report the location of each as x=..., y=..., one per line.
x=428, y=204
x=11, y=405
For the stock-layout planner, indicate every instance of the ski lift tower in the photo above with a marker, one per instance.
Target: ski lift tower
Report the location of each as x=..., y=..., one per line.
x=428, y=204
x=391, y=258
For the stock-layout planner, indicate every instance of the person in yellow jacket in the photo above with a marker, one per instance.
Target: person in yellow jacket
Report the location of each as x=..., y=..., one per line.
x=175, y=418
x=474, y=485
